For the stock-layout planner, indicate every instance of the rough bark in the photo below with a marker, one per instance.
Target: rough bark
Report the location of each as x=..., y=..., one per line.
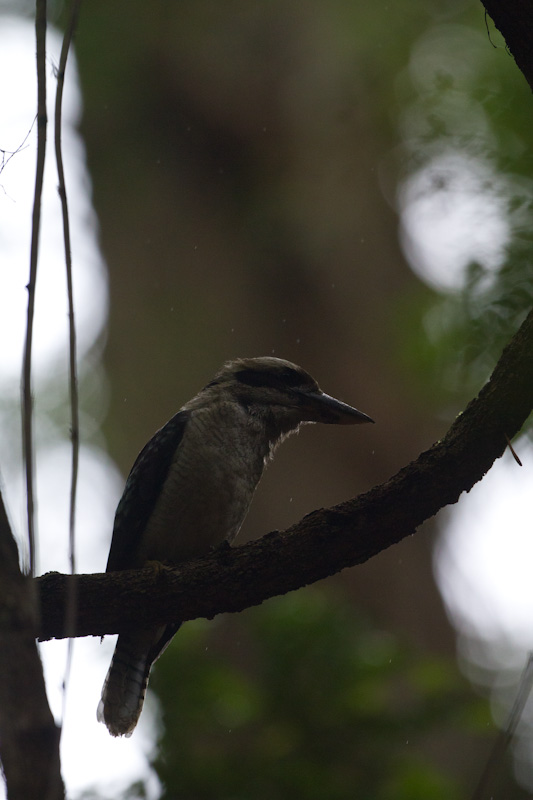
x=514, y=20
x=322, y=543
x=29, y=738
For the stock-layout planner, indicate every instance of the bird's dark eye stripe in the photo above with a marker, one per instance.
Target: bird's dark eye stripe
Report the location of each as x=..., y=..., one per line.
x=280, y=379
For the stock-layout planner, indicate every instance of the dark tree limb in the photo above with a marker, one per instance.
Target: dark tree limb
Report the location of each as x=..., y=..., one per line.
x=29, y=738
x=322, y=543
x=514, y=20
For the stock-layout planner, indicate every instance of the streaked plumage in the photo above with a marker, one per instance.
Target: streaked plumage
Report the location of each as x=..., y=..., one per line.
x=190, y=488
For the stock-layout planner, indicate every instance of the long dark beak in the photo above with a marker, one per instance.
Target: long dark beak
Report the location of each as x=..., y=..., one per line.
x=320, y=407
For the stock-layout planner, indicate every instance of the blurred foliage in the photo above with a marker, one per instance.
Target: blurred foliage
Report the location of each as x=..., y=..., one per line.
x=137, y=791
x=461, y=94
x=313, y=702
x=465, y=332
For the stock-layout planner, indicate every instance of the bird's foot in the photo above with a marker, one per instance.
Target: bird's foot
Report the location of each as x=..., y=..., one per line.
x=159, y=566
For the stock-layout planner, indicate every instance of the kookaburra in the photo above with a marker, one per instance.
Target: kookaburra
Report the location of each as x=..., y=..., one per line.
x=190, y=489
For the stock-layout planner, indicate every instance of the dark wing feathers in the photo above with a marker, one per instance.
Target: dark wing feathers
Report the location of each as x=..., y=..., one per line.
x=142, y=490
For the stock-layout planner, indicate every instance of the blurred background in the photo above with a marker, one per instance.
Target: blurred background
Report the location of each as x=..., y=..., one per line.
x=347, y=186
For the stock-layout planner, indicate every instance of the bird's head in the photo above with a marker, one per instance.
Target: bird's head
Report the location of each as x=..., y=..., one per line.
x=282, y=392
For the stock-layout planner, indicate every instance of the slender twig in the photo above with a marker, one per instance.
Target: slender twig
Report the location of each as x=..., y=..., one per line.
x=73, y=368
x=7, y=155
x=27, y=399
x=505, y=736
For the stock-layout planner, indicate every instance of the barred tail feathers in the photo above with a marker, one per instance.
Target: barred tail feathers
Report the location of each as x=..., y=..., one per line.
x=127, y=679
x=125, y=685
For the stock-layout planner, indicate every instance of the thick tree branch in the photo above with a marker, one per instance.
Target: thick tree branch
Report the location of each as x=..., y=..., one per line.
x=323, y=542
x=514, y=20
x=29, y=738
